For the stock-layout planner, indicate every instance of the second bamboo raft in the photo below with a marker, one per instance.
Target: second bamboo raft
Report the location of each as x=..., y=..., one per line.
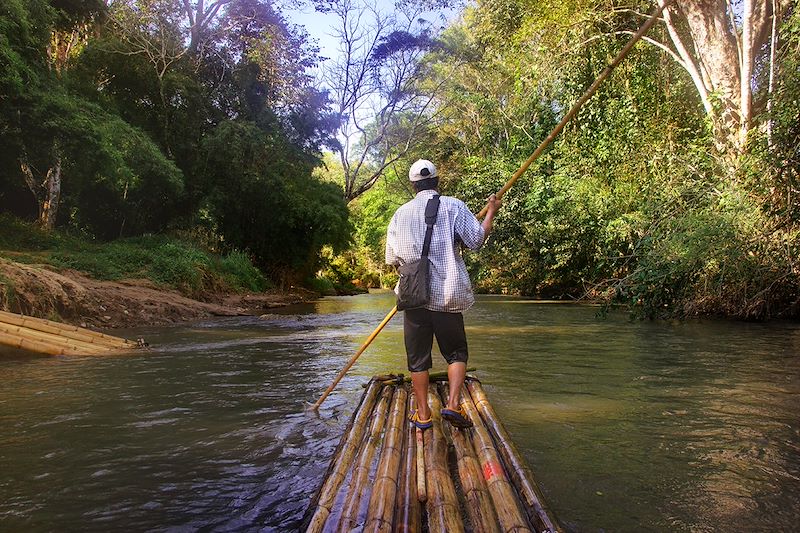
x=54, y=338
x=474, y=479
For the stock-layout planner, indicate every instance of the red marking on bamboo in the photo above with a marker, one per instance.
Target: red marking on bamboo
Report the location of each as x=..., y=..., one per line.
x=493, y=470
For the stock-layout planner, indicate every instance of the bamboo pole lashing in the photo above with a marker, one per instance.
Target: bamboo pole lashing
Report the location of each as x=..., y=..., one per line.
x=359, y=482
x=343, y=459
x=520, y=474
x=65, y=330
x=72, y=344
x=479, y=506
x=433, y=376
x=408, y=512
x=442, y=503
x=509, y=513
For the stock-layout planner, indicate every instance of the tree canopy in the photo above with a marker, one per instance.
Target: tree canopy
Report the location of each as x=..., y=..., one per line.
x=666, y=192
x=141, y=116
x=674, y=189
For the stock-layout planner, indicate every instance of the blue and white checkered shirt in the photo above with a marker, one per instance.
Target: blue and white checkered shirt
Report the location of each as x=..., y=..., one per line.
x=451, y=290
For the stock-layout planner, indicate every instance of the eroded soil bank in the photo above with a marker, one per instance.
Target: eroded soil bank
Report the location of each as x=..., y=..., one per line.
x=72, y=297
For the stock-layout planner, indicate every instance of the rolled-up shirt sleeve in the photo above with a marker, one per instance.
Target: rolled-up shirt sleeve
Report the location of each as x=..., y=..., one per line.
x=468, y=228
x=391, y=244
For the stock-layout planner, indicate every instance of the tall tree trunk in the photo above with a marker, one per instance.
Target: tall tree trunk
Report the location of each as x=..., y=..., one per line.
x=773, y=44
x=756, y=18
x=47, y=191
x=722, y=55
x=717, y=56
x=746, y=93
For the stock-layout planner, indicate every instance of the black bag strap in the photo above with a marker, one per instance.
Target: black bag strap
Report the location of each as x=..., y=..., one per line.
x=431, y=214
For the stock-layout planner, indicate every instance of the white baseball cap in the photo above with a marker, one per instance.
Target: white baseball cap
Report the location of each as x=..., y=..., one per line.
x=422, y=169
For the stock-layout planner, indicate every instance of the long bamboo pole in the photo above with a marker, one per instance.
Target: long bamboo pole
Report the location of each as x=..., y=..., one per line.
x=444, y=515
x=419, y=441
x=23, y=343
x=479, y=506
x=509, y=514
x=408, y=510
x=521, y=170
x=578, y=104
x=381, y=509
x=541, y=517
x=520, y=474
x=353, y=359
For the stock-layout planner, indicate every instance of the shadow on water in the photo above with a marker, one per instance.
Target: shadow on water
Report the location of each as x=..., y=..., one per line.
x=628, y=426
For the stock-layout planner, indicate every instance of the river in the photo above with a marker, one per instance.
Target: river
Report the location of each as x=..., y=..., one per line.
x=627, y=425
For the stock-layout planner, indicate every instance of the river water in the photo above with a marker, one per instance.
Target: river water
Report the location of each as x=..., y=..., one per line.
x=627, y=426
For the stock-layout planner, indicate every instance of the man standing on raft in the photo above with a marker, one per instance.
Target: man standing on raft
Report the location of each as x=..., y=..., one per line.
x=450, y=288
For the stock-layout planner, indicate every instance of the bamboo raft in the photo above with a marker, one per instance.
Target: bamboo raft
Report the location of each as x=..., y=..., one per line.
x=386, y=475
x=54, y=338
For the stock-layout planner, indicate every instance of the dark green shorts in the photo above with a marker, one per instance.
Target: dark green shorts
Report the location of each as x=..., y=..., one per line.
x=419, y=328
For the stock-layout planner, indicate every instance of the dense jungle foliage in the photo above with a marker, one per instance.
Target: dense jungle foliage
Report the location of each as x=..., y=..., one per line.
x=161, y=116
x=644, y=199
x=150, y=125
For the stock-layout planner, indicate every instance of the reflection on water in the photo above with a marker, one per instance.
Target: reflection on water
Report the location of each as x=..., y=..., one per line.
x=628, y=426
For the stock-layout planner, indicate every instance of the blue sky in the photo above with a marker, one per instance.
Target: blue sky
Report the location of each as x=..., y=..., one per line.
x=319, y=25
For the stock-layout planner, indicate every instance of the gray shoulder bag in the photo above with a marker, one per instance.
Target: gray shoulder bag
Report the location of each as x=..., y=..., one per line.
x=413, y=290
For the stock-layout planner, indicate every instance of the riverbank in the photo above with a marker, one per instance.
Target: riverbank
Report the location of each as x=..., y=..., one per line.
x=75, y=298
x=139, y=281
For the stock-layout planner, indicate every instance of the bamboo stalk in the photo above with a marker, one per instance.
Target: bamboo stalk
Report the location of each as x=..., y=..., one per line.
x=510, y=516
x=380, y=514
x=541, y=517
x=443, y=509
x=582, y=100
x=42, y=346
x=358, y=487
x=478, y=500
x=419, y=448
x=407, y=514
x=65, y=330
x=15, y=341
x=72, y=344
x=343, y=458
x=422, y=492
x=353, y=359
x=27, y=322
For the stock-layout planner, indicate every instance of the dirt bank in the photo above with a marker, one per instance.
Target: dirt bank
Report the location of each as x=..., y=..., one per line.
x=74, y=298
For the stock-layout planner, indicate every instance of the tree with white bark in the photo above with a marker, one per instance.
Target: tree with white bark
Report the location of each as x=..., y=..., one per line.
x=728, y=49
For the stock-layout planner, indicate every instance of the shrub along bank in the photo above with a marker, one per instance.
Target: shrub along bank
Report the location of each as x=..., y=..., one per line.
x=168, y=261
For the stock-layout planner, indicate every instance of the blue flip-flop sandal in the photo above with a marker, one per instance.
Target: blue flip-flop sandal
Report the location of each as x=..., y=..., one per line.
x=457, y=418
x=420, y=424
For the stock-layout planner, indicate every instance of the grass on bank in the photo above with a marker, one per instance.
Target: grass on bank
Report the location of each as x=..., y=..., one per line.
x=167, y=261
